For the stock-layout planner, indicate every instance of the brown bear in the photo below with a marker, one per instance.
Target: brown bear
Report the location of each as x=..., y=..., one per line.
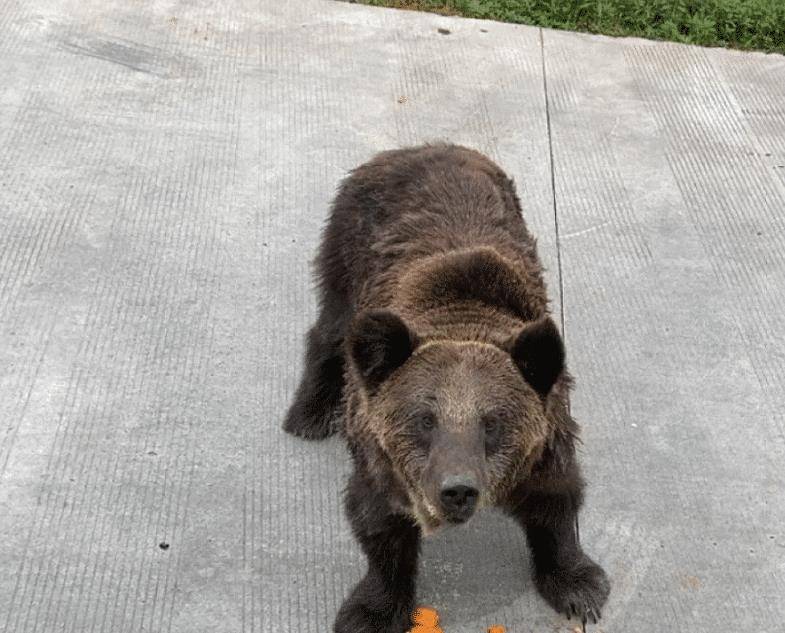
x=435, y=356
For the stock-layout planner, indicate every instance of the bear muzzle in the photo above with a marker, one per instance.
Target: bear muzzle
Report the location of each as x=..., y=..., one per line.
x=458, y=496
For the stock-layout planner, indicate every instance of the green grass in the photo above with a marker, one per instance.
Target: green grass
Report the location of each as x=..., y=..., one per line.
x=743, y=24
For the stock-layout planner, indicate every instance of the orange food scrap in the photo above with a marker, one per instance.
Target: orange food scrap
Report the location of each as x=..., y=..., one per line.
x=426, y=620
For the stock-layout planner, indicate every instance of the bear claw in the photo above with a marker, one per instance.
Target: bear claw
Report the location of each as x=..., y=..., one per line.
x=577, y=591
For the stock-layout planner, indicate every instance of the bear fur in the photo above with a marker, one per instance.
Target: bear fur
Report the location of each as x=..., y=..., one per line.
x=435, y=355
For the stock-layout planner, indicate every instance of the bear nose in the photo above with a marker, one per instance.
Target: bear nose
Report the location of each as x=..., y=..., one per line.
x=459, y=496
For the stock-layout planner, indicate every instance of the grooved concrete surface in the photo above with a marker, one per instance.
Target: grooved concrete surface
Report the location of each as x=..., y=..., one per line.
x=165, y=168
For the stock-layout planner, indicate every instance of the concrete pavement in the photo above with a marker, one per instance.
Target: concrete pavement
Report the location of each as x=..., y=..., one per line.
x=165, y=169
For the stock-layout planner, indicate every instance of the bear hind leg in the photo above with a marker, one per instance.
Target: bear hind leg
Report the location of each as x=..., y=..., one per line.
x=316, y=409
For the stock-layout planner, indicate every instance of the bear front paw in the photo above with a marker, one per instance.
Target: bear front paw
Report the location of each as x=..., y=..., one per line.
x=366, y=611
x=579, y=590
x=358, y=618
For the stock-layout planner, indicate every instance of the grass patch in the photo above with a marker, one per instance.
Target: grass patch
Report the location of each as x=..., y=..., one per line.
x=743, y=24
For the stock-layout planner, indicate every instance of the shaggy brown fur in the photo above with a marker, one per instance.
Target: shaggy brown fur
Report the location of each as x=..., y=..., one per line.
x=435, y=354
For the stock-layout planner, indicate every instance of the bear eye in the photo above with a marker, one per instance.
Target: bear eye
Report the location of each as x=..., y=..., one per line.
x=493, y=431
x=426, y=423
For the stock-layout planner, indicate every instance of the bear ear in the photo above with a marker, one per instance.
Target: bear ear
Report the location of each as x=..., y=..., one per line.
x=379, y=343
x=538, y=351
